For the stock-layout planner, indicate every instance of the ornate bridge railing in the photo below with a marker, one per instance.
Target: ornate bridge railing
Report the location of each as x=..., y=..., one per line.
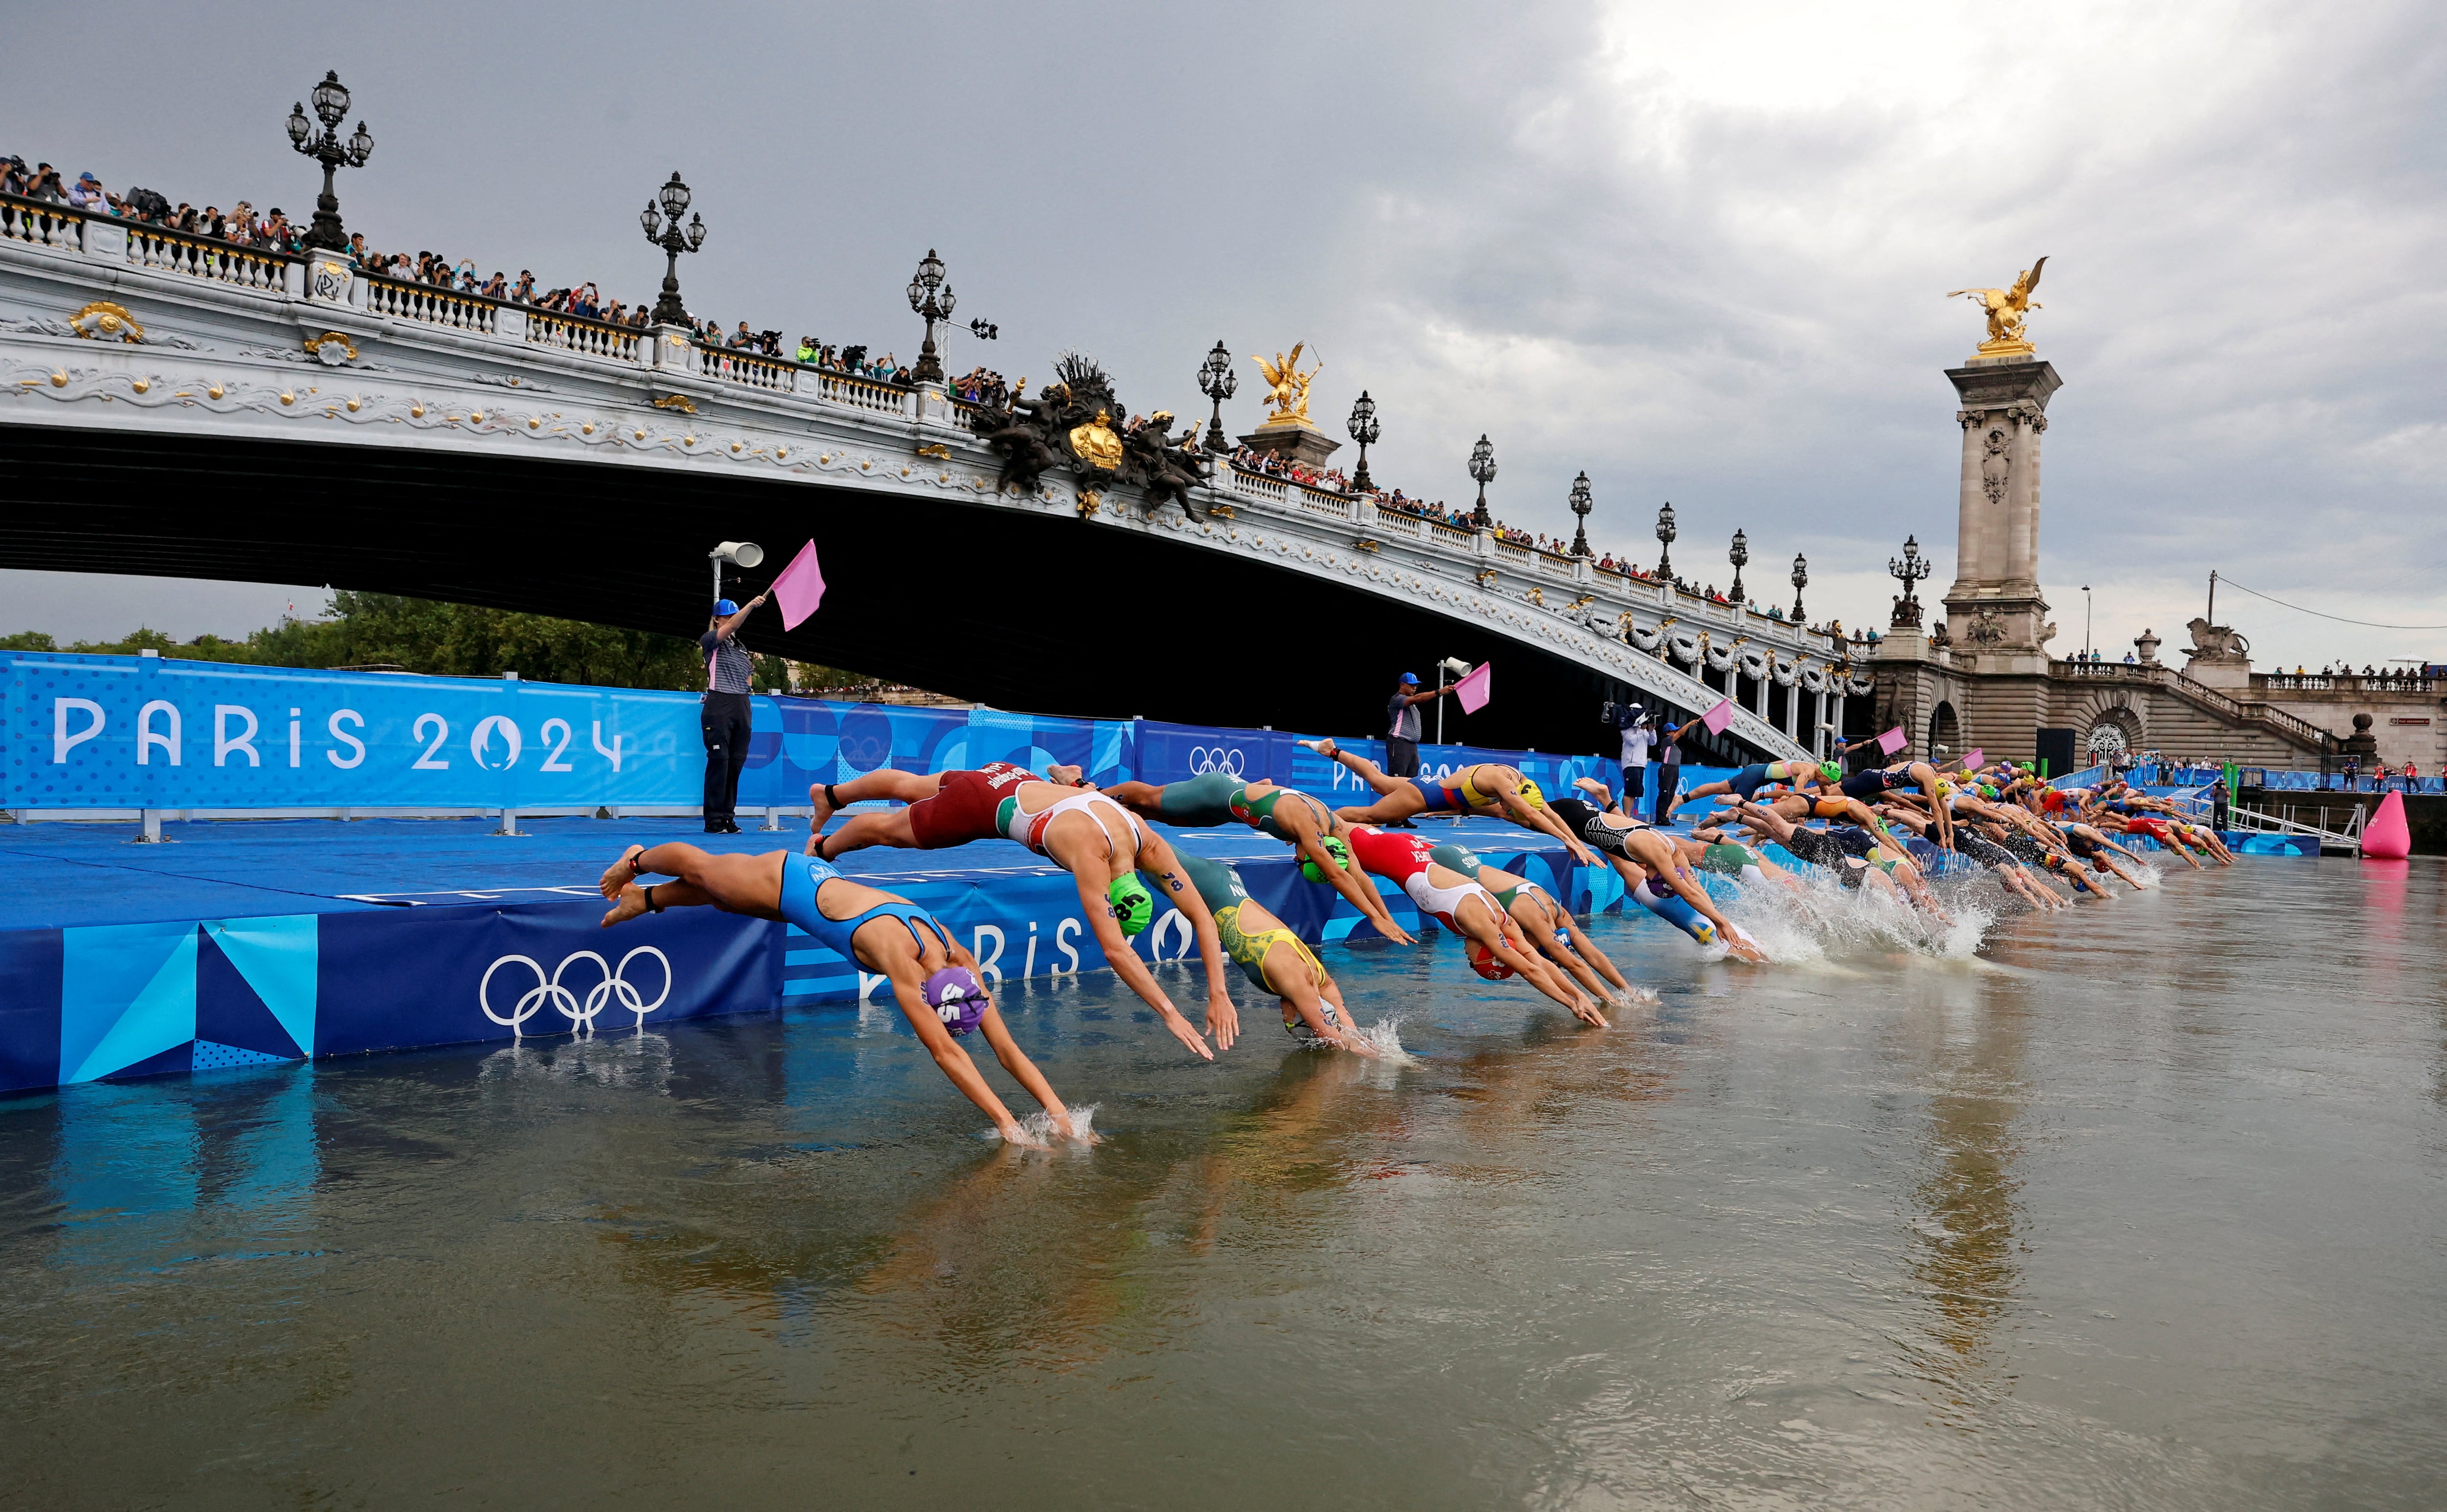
x=432, y=305
x=590, y=338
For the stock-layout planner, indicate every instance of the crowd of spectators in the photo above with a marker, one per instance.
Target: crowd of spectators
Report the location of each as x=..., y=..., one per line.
x=979, y=386
x=240, y=226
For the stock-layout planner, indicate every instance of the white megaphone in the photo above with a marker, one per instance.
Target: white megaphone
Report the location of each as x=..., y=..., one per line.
x=745, y=553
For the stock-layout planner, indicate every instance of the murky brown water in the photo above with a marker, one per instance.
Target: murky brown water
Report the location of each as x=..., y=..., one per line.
x=2144, y=1207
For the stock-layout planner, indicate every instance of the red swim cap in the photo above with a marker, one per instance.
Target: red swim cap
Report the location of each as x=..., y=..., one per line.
x=1487, y=963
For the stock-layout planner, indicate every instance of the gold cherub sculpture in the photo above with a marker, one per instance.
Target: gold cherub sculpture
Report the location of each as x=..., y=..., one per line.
x=2007, y=309
x=1287, y=387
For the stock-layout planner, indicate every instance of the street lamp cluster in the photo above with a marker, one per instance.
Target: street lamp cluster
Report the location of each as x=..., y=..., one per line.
x=673, y=197
x=331, y=99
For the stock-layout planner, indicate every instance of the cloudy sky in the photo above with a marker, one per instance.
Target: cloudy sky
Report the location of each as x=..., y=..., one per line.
x=1697, y=252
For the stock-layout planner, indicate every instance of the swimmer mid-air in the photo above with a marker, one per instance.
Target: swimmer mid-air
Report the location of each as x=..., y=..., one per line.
x=1652, y=870
x=1545, y=923
x=1484, y=788
x=933, y=978
x=1468, y=910
x=1212, y=800
x=1100, y=843
x=1276, y=959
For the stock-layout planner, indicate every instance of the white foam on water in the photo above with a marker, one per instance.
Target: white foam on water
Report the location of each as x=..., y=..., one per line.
x=1039, y=1126
x=1385, y=1038
x=1824, y=922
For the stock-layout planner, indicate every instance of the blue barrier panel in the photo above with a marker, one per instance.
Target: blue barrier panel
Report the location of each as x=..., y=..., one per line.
x=149, y=732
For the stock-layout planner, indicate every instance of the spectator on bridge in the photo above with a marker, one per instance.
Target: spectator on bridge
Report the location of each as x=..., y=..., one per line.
x=44, y=183
x=523, y=291
x=724, y=719
x=1402, y=730
x=85, y=194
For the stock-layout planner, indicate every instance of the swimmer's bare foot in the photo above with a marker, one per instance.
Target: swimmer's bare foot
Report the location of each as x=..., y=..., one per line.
x=628, y=905
x=1324, y=748
x=823, y=806
x=620, y=873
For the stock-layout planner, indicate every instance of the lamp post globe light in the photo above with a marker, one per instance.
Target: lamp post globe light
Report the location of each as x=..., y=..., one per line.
x=331, y=99
x=932, y=300
x=1800, y=580
x=1364, y=430
x=1666, y=543
x=1582, y=505
x=674, y=239
x=1482, y=466
x=1740, y=557
x=1217, y=380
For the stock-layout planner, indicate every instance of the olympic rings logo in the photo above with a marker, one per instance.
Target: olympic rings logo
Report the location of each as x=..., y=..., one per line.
x=580, y=1012
x=1227, y=759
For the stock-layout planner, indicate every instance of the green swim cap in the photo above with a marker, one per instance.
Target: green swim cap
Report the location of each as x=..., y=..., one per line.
x=1132, y=905
x=1831, y=772
x=1335, y=848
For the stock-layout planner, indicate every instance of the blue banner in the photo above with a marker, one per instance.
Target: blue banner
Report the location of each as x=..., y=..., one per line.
x=153, y=733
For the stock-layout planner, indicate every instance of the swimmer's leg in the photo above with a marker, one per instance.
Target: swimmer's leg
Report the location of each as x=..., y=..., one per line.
x=735, y=885
x=1143, y=799
x=889, y=826
x=832, y=798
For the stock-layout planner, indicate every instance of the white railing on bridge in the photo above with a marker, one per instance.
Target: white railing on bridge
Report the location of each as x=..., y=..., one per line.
x=40, y=223
x=432, y=305
x=588, y=338
x=167, y=251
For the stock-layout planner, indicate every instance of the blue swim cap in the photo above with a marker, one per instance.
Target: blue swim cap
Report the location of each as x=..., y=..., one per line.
x=958, y=998
x=724, y=608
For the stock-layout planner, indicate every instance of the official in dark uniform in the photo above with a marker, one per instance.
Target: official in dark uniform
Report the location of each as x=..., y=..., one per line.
x=728, y=670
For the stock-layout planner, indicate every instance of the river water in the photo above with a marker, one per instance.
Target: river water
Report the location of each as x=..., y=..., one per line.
x=2140, y=1205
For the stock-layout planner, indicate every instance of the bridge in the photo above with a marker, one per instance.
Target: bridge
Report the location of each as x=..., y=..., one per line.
x=185, y=407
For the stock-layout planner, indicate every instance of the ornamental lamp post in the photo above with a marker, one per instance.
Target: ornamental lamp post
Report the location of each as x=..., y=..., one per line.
x=1364, y=429
x=1217, y=380
x=932, y=299
x=1482, y=466
x=1582, y=505
x=1740, y=557
x=1909, y=571
x=674, y=239
x=331, y=99
x=1666, y=543
x=1800, y=580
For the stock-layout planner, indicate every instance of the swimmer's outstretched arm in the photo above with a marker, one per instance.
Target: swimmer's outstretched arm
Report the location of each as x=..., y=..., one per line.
x=1668, y=869
x=1352, y=885
x=1522, y=814
x=1125, y=964
x=1305, y=1001
x=954, y=1063
x=1156, y=859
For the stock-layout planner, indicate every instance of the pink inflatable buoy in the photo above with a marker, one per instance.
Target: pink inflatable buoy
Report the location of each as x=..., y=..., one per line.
x=2387, y=837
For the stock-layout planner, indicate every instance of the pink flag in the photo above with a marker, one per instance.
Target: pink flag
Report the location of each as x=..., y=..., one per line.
x=1472, y=690
x=1718, y=717
x=1892, y=741
x=1978, y=758
x=800, y=587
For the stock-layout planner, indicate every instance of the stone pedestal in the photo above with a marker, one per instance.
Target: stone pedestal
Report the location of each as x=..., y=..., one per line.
x=1299, y=442
x=2227, y=670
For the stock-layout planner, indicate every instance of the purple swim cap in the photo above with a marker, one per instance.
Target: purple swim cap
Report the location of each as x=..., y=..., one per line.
x=958, y=998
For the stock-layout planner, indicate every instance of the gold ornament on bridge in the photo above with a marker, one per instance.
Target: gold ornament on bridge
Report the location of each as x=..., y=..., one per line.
x=1097, y=443
x=105, y=321
x=2007, y=309
x=1287, y=387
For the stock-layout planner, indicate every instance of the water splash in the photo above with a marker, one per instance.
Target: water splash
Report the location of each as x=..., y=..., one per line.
x=1385, y=1038
x=1038, y=1127
x=1822, y=921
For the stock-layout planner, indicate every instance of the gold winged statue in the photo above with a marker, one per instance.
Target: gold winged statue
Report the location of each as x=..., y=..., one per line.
x=1287, y=387
x=2006, y=308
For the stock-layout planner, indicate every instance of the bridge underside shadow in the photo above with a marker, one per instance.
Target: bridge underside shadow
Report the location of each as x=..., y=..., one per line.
x=1033, y=613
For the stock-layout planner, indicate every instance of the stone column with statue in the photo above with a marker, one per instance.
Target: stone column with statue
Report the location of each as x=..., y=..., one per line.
x=1994, y=613
x=1287, y=431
